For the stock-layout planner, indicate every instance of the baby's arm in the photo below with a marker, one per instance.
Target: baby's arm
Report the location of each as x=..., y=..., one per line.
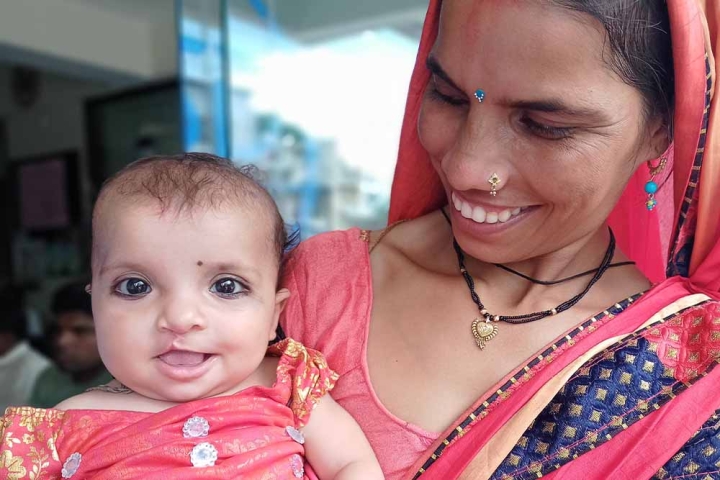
x=336, y=447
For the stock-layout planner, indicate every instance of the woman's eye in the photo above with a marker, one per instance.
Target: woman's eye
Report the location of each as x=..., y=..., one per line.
x=436, y=93
x=227, y=287
x=133, y=287
x=547, y=131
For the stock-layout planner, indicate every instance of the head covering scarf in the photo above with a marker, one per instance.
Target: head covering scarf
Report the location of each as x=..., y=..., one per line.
x=681, y=236
x=677, y=246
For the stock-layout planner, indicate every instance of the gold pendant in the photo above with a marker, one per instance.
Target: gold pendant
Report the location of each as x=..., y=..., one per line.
x=483, y=331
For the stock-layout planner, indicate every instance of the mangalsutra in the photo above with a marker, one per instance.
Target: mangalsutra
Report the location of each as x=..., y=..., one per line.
x=484, y=328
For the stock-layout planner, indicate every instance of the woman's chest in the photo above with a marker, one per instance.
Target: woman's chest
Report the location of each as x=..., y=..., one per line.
x=423, y=359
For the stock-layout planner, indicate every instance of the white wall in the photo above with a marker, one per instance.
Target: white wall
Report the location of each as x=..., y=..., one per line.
x=54, y=122
x=86, y=34
x=304, y=17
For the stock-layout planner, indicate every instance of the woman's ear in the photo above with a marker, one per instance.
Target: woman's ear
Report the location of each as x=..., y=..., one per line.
x=658, y=142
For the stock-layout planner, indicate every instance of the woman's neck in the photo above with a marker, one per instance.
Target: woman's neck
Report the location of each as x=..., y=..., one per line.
x=504, y=293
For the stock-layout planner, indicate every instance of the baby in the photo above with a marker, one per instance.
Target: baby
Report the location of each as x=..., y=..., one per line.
x=186, y=256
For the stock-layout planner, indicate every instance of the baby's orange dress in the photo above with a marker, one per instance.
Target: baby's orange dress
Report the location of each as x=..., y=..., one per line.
x=253, y=434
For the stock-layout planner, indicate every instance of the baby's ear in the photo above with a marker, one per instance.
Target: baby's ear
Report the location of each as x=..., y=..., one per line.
x=281, y=297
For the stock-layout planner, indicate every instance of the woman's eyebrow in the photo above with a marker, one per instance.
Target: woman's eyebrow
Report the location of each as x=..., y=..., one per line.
x=435, y=68
x=553, y=106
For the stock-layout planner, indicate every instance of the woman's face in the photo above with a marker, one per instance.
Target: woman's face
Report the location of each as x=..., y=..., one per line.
x=558, y=127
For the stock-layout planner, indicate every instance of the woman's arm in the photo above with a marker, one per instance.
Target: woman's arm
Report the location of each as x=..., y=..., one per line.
x=336, y=447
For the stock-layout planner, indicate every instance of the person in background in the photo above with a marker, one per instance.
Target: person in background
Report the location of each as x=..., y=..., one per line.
x=20, y=364
x=78, y=364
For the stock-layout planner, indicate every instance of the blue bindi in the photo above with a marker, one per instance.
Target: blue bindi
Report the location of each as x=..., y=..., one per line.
x=480, y=95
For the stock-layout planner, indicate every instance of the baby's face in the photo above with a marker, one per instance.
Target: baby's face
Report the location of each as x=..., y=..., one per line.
x=185, y=304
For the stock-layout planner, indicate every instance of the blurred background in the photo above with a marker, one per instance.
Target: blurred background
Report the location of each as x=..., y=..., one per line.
x=311, y=91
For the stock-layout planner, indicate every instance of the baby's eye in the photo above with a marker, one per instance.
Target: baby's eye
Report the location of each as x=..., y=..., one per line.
x=133, y=287
x=228, y=288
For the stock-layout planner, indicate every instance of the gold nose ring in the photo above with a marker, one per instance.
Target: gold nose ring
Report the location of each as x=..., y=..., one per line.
x=494, y=181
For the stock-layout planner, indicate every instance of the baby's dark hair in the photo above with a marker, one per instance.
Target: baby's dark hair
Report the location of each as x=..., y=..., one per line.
x=181, y=183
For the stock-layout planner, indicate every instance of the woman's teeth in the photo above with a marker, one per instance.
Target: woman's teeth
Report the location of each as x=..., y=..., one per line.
x=480, y=215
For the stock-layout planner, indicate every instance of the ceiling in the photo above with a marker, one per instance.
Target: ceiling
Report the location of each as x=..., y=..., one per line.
x=298, y=17
x=124, y=40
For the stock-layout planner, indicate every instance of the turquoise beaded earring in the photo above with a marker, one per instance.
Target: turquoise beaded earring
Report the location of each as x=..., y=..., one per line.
x=651, y=187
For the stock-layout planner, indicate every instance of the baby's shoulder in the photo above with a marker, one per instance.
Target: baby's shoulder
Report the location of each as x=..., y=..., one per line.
x=92, y=400
x=112, y=396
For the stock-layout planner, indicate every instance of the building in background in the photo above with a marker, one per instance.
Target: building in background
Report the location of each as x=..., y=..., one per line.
x=312, y=92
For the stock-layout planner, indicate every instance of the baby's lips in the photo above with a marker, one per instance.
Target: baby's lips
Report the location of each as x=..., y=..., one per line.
x=182, y=358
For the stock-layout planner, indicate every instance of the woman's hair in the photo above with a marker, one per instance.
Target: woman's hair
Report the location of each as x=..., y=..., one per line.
x=640, y=50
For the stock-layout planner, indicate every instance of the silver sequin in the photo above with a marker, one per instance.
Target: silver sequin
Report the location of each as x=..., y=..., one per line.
x=71, y=465
x=296, y=463
x=196, y=427
x=203, y=455
x=295, y=434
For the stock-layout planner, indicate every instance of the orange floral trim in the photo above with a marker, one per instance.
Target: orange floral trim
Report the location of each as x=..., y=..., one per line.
x=307, y=373
x=28, y=442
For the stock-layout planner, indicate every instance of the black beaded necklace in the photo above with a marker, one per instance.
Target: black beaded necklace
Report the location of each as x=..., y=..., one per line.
x=484, y=328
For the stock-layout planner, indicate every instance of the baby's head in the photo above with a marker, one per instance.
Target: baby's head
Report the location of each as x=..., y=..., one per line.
x=185, y=261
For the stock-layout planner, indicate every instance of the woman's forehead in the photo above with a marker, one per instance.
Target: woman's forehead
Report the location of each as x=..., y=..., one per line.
x=494, y=30
x=529, y=48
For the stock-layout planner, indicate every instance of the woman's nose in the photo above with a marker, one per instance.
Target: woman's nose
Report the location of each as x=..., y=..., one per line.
x=477, y=161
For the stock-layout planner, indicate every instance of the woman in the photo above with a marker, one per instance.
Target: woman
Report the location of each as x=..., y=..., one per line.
x=496, y=328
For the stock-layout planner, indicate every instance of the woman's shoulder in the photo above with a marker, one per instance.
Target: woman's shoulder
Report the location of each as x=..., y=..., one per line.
x=405, y=236
x=329, y=279
x=326, y=261
x=329, y=246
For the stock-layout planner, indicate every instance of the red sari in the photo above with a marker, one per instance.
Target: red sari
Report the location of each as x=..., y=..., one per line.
x=632, y=394
x=253, y=433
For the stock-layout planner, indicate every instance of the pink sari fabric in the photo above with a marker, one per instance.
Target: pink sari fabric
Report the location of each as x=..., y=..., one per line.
x=247, y=429
x=647, y=416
